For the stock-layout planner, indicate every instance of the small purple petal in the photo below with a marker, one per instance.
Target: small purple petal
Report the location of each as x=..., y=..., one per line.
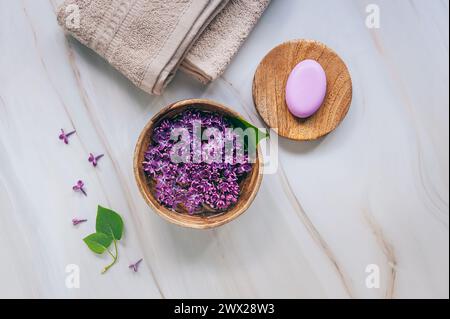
x=77, y=221
x=79, y=187
x=65, y=137
x=135, y=266
x=94, y=159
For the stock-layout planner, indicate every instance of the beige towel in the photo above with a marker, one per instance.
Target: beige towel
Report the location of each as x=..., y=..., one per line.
x=218, y=44
x=146, y=40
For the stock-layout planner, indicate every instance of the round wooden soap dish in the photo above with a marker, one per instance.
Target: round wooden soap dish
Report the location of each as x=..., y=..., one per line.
x=269, y=90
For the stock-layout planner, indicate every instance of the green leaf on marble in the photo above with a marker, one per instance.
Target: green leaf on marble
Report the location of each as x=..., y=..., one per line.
x=109, y=227
x=98, y=242
x=109, y=222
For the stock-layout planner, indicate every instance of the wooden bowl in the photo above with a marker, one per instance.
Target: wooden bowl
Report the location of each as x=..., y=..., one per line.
x=269, y=90
x=249, y=185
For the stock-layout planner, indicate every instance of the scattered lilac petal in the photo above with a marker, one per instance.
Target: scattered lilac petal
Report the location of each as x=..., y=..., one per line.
x=79, y=187
x=65, y=136
x=94, y=159
x=135, y=266
x=77, y=221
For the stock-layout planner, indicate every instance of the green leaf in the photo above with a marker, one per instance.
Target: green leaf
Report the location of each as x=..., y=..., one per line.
x=109, y=223
x=250, y=143
x=98, y=242
x=240, y=122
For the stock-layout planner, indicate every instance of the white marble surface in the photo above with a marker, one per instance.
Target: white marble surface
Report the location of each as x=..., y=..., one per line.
x=375, y=191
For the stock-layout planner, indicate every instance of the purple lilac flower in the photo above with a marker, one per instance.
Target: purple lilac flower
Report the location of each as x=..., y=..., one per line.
x=212, y=183
x=94, y=159
x=77, y=221
x=135, y=266
x=65, y=136
x=79, y=187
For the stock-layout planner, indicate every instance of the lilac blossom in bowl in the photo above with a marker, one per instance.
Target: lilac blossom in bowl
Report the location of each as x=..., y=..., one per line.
x=197, y=162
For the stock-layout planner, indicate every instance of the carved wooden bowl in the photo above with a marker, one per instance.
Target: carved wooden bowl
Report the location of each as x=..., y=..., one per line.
x=249, y=185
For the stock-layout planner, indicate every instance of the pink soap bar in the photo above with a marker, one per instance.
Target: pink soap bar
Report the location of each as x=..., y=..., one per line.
x=306, y=88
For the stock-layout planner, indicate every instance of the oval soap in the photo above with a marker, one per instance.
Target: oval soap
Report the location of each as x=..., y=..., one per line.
x=306, y=88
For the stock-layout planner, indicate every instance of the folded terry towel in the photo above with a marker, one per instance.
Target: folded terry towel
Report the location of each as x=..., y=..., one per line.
x=221, y=40
x=147, y=40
